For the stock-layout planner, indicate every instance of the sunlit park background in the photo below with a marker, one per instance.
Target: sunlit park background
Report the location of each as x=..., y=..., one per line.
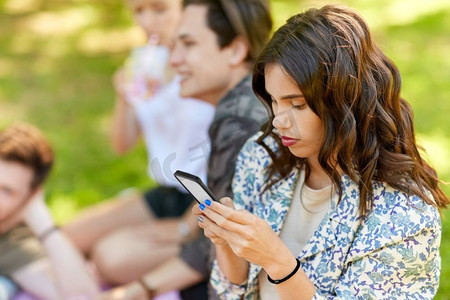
x=57, y=57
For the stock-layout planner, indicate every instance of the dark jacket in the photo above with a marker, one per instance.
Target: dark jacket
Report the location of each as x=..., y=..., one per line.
x=239, y=115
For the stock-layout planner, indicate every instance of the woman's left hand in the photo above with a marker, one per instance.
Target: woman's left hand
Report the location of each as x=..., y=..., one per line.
x=249, y=236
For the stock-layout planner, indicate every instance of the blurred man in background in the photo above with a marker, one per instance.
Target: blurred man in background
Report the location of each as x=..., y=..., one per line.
x=33, y=251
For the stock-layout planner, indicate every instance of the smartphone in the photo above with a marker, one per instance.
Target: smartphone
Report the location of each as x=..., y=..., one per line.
x=194, y=186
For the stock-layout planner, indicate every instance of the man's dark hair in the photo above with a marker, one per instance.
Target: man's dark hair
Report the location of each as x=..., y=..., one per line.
x=25, y=144
x=249, y=19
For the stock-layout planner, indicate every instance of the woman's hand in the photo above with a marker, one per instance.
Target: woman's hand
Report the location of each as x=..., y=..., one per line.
x=249, y=236
x=209, y=233
x=127, y=84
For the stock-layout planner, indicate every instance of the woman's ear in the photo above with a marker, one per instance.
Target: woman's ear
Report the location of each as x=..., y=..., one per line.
x=239, y=51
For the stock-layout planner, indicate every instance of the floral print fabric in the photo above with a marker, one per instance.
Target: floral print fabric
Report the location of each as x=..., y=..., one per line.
x=393, y=253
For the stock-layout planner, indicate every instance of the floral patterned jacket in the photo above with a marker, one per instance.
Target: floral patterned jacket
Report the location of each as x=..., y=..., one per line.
x=392, y=254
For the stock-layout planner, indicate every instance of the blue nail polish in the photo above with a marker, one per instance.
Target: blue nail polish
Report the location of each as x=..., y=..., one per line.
x=202, y=206
x=208, y=202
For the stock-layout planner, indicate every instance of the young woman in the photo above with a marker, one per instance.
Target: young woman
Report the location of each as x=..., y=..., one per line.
x=333, y=199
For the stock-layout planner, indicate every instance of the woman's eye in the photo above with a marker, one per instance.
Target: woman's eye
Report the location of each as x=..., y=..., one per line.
x=299, y=106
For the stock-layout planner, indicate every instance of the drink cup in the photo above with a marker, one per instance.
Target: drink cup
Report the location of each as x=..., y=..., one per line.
x=145, y=72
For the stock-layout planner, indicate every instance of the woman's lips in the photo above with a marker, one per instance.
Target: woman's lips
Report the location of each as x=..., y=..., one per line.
x=287, y=141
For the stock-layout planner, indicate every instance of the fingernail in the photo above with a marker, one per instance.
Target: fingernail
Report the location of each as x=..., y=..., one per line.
x=208, y=202
x=200, y=219
x=202, y=206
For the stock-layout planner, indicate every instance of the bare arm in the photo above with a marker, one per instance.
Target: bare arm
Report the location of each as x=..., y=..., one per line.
x=38, y=280
x=71, y=274
x=251, y=238
x=233, y=267
x=174, y=274
x=125, y=128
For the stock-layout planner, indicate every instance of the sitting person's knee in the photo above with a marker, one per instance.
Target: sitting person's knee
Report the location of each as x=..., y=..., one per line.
x=111, y=262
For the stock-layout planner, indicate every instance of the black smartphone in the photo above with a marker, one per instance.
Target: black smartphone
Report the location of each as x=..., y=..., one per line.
x=194, y=186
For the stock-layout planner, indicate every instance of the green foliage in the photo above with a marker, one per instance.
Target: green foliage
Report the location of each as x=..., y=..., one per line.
x=57, y=58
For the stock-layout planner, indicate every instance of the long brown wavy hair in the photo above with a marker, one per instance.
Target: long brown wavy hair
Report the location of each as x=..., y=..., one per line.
x=355, y=90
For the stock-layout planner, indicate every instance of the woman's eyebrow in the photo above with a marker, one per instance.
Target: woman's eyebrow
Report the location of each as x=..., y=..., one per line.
x=291, y=96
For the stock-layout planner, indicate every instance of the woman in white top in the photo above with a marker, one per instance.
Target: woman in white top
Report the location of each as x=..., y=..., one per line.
x=332, y=200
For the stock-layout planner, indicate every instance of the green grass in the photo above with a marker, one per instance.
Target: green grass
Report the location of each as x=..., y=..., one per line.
x=57, y=58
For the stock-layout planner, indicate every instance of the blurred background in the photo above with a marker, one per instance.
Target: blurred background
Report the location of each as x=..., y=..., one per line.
x=57, y=58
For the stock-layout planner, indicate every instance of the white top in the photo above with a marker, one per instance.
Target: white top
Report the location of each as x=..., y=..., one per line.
x=307, y=210
x=175, y=131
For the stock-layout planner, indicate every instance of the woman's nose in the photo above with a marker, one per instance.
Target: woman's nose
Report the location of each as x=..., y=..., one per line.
x=282, y=119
